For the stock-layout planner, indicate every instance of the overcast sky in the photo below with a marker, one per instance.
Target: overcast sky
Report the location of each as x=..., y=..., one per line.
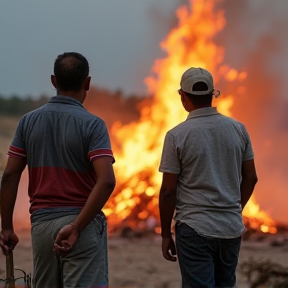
x=120, y=39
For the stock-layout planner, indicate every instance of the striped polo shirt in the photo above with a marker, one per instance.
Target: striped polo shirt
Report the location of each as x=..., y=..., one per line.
x=207, y=151
x=60, y=140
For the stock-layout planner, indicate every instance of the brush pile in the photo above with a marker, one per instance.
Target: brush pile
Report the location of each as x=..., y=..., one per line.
x=265, y=274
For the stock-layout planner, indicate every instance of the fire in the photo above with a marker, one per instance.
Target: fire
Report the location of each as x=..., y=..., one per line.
x=257, y=219
x=138, y=146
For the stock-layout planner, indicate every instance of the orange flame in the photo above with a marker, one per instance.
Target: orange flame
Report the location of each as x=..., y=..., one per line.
x=140, y=144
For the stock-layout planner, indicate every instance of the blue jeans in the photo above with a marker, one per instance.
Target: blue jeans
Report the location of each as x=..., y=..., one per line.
x=85, y=266
x=206, y=262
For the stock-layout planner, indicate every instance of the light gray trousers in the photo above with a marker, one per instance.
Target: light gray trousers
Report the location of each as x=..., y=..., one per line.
x=85, y=266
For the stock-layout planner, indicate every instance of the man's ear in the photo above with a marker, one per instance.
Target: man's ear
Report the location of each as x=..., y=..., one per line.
x=54, y=81
x=183, y=98
x=87, y=83
x=185, y=101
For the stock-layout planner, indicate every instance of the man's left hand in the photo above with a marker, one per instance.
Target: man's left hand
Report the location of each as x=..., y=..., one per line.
x=168, y=249
x=66, y=239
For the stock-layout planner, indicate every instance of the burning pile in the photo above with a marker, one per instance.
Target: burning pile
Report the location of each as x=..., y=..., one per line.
x=138, y=146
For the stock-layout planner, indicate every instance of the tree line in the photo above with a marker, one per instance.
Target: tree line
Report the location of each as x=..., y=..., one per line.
x=111, y=105
x=17, y=106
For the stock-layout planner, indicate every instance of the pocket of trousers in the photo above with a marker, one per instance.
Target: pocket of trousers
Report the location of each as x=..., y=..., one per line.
x=100, y=224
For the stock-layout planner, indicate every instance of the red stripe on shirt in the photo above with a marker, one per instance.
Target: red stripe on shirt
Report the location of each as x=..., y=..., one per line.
x=100, y=153
x=16, y=152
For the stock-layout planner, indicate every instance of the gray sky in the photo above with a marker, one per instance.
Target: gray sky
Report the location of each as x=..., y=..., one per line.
x=120, y=39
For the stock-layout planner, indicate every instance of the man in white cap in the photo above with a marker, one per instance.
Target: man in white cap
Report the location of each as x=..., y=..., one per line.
x=208, y=177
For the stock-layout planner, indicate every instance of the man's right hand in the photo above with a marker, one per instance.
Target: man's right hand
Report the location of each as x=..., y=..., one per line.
x=8, y=241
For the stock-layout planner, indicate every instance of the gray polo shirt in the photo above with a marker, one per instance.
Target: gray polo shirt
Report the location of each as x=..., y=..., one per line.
x=207, y=151
x=60, y=140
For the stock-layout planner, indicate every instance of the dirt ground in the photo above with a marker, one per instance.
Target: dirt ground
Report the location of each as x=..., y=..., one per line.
x=138, y=262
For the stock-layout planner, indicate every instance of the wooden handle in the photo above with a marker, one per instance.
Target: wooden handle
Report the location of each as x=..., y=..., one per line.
x=10, y=280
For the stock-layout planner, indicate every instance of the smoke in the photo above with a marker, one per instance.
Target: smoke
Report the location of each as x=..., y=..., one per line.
x=113, y=106
x=255, y=42
x=164, y=20
x=248, y=24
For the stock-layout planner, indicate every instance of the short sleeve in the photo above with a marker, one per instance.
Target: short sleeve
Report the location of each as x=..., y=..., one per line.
x=17, y=147
x=248, y=153
x=169, y=160
x=99, y=141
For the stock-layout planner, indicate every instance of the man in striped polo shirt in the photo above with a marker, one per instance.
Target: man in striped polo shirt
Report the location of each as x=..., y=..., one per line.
x=69, y=158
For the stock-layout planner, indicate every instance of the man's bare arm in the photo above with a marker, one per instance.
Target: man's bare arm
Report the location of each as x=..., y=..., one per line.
x=9, y=188
x=69, y=234
x=99, y=194
x=249, y=180
x=167, y=202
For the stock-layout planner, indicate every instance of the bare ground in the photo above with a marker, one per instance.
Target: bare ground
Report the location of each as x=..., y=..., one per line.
x=138, y=262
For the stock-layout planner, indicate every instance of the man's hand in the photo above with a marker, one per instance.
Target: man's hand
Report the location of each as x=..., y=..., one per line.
x=66, y=239
x=8, y=241
x=168, y=249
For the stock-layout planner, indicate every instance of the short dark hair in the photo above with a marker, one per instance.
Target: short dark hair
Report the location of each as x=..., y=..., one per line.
x=197, y=100
x=70, y=70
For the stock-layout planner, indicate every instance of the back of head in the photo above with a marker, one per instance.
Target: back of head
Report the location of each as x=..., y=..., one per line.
x=70, y=70
x=197, y=83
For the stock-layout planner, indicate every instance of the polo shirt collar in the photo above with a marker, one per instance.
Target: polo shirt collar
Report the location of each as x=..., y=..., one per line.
x=207, y=111
x=65, y=100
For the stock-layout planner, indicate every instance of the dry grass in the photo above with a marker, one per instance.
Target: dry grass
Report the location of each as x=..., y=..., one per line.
x=8, y=126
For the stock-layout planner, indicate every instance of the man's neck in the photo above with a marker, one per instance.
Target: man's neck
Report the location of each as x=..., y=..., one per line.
x=193, y=107
x=76, y=95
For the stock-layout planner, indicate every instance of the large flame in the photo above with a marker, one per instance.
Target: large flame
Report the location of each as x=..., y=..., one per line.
x=138, y=145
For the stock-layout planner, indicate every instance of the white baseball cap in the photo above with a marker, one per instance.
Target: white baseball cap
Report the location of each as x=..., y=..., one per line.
x=195, y=75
